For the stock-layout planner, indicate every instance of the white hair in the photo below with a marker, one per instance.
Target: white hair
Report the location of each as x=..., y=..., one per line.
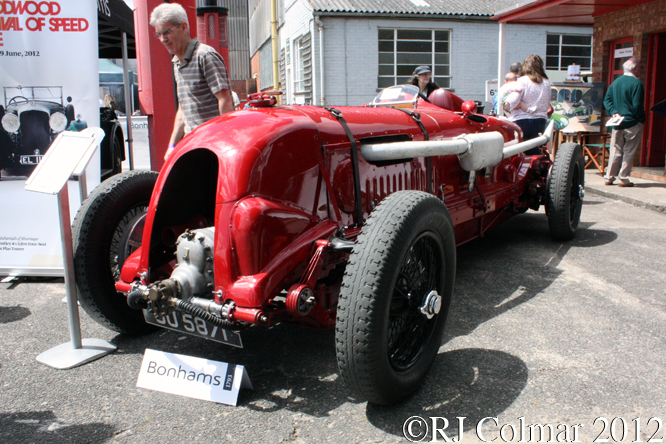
x=631, y=64
x=169, y=12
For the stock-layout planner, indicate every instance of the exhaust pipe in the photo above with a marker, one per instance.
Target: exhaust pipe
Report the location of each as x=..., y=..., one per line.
x=545, y=139
x=475, y=151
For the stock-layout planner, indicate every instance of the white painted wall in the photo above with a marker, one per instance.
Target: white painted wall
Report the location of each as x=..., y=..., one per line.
x=298, y=20
x=351, y=56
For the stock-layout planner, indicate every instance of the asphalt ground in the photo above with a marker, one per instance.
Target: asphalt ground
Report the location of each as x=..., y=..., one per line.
x=568, y=335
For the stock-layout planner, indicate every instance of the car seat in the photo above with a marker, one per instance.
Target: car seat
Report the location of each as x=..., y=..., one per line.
x=445, y=100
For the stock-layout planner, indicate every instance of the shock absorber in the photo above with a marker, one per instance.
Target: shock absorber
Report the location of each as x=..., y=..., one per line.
x=161, y=299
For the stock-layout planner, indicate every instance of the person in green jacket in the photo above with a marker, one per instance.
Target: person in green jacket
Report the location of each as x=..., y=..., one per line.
x=625, y=98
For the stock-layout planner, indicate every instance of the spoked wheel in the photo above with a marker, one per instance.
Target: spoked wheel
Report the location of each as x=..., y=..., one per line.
x=410, y=322
x=107, y=229
x=566, y=189
x=395, y=297
x=126, y=238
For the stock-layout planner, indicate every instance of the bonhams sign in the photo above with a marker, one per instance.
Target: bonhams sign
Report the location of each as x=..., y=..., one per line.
x=36, y=16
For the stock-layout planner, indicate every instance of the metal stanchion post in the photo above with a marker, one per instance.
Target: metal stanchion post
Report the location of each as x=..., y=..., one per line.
x=69, y=155
x=77, y=351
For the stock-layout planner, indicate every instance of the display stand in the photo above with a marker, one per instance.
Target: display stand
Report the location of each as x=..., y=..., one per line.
x=69, y=155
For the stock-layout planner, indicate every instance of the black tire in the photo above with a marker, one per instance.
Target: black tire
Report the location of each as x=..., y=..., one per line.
x=106, y=230
x=564, y=196
x=117, y=156
x=407, y=247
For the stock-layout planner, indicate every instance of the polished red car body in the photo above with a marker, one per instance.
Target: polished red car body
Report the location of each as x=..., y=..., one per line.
x=273, y=201
x=278, y=188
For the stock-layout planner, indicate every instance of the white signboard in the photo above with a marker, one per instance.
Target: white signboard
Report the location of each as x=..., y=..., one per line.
x=624, y=52
x=49, y=72
x=491, y=89
x=192, y=377
x=71, y=151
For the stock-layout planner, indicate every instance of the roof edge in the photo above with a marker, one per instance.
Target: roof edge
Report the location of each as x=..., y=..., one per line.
x=515, y=12
x=442, y=16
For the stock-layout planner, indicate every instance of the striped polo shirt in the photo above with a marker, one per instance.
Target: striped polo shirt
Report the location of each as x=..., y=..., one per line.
x=200, y=76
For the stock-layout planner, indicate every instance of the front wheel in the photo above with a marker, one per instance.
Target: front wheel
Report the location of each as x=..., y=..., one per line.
x=395, y=297
x=566, y=188
x=107, y=229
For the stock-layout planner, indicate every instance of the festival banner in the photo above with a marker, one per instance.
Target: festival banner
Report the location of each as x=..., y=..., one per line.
x=49, y=82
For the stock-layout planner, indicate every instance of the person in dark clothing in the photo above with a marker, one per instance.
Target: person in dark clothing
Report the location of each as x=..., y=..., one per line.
x=423, y=79
x=69, y=111
x=625, y=98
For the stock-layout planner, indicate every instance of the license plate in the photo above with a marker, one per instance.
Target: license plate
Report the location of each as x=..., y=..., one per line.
x=31, y=160
x=194, y=325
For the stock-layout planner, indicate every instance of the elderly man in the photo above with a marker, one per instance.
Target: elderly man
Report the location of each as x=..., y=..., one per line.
x=203, y=86
x=625, y=98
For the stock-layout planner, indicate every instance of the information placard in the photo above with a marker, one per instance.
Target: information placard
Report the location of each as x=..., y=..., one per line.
x=70, y=151
x=192, y=377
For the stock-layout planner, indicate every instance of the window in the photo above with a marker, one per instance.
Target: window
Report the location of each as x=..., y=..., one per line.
x=402, y=50
x=563, y=50
x=299, y=65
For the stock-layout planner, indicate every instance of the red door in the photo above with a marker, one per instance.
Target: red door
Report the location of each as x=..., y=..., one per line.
x=620, y=51
x=655, y=91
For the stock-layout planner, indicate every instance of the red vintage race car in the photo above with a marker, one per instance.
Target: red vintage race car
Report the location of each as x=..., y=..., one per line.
x=344, y=218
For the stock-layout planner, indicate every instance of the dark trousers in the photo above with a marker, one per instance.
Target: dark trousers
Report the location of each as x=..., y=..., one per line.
x=531, y=129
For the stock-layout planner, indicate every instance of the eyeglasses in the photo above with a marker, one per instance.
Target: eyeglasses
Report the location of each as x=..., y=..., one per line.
x=159, y=35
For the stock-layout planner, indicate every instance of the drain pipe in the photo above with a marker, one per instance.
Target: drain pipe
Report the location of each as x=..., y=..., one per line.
x=274, y=41
x=320, y=25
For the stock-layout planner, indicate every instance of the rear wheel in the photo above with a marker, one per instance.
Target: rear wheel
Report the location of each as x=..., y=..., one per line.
x=566, y=188
x=395, y=297
x=117, y=156
x=107, y=229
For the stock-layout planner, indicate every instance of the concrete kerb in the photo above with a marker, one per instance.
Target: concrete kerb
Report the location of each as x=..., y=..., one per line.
x=645, y=193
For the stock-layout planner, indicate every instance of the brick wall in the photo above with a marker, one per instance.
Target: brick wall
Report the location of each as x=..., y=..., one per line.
x=637, y=22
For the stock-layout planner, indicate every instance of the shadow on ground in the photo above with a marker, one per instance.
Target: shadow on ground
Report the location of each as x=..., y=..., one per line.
x=13, y=314
x=43, y=428
x=469, y=383
x=295, y=369
x=509, y=266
